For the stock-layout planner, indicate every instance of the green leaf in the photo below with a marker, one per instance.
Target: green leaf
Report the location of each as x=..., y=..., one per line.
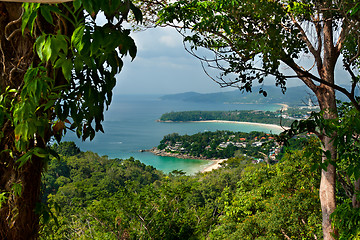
x=67, y=67
x=39, y=44
x=97, y=40
x=49, y=104
x=77, y=4
x=16, y=189
x=3, y=198
x=40, y=152
x=76, y=38
x=57, y=44
x=227, y=29
x=47, y=51
x=24, y=158
x=137, y=13
x=133, y=51
x=79, y=64
x=29, y=16
x=45, y=12
x=328, y=155
x=59, y=63
x=54, y=153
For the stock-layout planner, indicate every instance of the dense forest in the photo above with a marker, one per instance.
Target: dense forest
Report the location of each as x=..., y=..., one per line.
x=268, y=117
x=88, y=196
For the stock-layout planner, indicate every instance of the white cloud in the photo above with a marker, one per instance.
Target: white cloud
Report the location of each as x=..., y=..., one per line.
x=169, y=41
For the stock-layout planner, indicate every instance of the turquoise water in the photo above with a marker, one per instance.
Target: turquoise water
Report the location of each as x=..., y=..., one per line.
x=130, y=125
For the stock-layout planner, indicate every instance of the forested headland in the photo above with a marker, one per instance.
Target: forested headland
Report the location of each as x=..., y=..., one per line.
x=267, y=117
x=258, y=146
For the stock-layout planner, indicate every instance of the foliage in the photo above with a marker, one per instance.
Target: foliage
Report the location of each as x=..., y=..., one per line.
x=347, y=219
x=59, y=67
x=344, y=131
x=124, y=199
x=274, y=203
x=87, y=60
x=66, y=149
x=249, y=40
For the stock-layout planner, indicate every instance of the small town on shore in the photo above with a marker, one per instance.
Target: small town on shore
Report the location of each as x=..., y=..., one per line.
x=221, y=145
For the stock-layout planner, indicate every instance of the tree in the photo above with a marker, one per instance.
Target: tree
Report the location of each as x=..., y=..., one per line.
x=58, y=71
x=279, y=201
x=253, y=39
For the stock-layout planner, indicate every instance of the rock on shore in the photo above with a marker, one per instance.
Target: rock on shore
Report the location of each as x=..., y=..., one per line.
x=163, y=153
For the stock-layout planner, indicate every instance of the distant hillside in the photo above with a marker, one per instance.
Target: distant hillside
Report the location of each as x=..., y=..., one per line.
x=295, y=96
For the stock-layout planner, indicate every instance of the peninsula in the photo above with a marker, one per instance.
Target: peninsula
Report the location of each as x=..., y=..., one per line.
x=219, y=145
x=244, y=116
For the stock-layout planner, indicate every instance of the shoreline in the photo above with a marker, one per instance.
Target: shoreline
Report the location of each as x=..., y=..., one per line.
x=212, y=166
x=162, y=153
x=268, y=125
x=285, y=107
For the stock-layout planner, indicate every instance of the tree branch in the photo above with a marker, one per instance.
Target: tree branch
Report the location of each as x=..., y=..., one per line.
x=357, y=53
x=353, y=77
x=306, y=78
x=303, y=36
x=342, y=37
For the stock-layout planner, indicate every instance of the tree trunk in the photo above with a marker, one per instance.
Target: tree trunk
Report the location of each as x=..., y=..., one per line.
x=327, y=192
x=354, y=199
x=18, y=220
x=327, y=102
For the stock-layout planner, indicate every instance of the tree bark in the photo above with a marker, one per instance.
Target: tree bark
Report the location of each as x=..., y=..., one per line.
x=327, y=192
x=18, y=220
x=327, y=101
x=354, y=199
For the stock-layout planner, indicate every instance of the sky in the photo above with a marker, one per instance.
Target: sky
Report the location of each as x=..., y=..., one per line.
x=162, y=66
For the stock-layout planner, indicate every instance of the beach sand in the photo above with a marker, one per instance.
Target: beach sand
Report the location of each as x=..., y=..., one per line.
x=248, y=123
x=214, y=165
x=285, y=107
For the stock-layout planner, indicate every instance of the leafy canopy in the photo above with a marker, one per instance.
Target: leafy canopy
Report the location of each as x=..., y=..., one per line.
x=250, y=40
x=69, y=84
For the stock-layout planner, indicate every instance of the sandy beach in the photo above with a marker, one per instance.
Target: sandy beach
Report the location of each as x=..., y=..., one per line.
x=214, y=165
x=285, y=107
x=248, y=123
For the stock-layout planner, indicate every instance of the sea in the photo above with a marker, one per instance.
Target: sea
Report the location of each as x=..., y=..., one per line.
x=130, y=126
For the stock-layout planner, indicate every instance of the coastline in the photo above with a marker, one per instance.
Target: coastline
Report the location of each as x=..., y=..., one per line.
x=246, y=123
x=285, y=107
x=213, y=166
x=162, y=153
x=216, y=162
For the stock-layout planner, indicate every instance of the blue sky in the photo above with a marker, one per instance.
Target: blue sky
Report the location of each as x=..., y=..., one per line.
x=162, y=66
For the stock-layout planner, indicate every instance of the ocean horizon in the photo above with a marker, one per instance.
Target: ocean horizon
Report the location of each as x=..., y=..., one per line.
x=131, y=125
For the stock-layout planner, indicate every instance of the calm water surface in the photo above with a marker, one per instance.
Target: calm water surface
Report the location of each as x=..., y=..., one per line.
x=130, y=125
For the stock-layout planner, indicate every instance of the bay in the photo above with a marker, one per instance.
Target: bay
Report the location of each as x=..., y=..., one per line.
x=130, y=125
